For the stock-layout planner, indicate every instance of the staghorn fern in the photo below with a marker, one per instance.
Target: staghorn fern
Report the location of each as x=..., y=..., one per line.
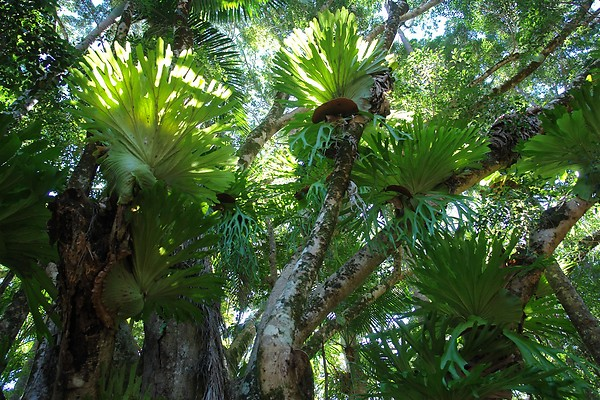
x=328, y=60
x=156, y=116
x=169, y=232
x=571, y=140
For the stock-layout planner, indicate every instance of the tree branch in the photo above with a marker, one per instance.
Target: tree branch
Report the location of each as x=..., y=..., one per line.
x=552, y=228
x=506, y=60
x=332, y=325
x=586, y=245
x=585, y=322
x=271, y=124
x=577, y=21
x=30, y=97
x=423, y=8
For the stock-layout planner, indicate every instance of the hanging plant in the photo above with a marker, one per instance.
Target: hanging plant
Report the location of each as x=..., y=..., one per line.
x=157, y=118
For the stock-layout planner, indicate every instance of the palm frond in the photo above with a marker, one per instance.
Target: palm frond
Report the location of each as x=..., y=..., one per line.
x=158, y=119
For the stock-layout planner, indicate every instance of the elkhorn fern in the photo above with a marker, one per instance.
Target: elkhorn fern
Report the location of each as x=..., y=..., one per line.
x=158, y=119
x=328, y=60
x=420, y=160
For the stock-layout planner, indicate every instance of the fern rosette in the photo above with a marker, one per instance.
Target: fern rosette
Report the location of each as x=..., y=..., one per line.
x=158, y=119
x=403, y=165
x=571, y=141
x=165, y=273
x=327, y=68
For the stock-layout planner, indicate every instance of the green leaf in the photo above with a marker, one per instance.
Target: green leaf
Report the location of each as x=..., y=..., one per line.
x=571, y=140
x=170, y=237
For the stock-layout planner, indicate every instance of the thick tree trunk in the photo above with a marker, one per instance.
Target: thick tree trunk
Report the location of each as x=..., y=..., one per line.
x=185, y=360
x=90, y=239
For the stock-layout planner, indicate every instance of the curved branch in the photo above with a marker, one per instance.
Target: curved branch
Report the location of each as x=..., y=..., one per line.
x=272, y=122
x=332, y=325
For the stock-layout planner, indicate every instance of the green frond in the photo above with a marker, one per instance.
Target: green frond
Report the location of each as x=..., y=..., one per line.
x=571, y=140
x=170, y=237
x=326, y=61
x=26, y=179
x=158, y=119
x=435, y=357
x=463, y=276
x=417, y=156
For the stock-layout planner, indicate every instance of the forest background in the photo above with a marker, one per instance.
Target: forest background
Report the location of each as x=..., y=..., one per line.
x=209, y=199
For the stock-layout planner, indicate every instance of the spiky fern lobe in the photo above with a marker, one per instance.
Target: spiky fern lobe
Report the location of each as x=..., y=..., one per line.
x=158, y=119
x=170, y=235
x=328, y=60
x=571, y=140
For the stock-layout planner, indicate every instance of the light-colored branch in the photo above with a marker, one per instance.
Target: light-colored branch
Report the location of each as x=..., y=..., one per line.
x=332, y=325
x=552, y=228
x=405, y=42
x=259, y=136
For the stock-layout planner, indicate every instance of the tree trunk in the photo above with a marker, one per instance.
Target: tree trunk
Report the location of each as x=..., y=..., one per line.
x=278, y=368
x=11, y=323
x=185, y=360
x=91, y=238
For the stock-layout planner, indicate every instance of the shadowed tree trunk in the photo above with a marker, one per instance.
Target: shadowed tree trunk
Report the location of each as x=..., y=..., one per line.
x=185, y=360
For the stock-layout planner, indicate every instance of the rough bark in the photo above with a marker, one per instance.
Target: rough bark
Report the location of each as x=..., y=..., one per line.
x=327, y=295
x=124, y=23
x=553, y=226
x=585, y=322
x=43, y=371
x=90, y=238
x=278, y=368
x=183, y=38
x=185, y=360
